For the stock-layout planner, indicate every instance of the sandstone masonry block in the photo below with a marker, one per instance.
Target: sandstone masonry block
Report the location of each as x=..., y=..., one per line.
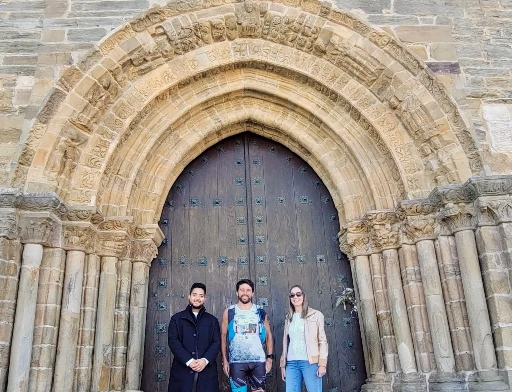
x=415, y=34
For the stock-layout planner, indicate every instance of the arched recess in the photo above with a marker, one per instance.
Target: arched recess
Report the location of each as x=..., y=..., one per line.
x=355, y=104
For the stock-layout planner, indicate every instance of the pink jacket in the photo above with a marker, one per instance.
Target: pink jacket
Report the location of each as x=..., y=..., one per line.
x=316, y=341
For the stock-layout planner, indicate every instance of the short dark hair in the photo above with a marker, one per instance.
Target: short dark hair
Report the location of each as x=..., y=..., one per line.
x=197, y=286
x=245, y=281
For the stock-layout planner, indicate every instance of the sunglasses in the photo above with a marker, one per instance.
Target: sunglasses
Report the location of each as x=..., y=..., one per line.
x=298, y=294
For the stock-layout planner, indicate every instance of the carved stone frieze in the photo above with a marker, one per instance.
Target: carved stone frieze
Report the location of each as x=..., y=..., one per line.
x=143, y=250
x=457, y=217
x=9, y=224
x=452, y=194
x=84, y=215
x=8, y=197
x=491, y=185
x=79, y=236
x=116, y=225
x=384, y=228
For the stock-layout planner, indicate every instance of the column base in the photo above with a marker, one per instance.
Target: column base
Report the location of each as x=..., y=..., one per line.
x=413, y=382
x=446, y=382
x=377, y=383
x=488, y=381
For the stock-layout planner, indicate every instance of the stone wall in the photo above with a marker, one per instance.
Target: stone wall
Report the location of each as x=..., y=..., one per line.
x=466, y=43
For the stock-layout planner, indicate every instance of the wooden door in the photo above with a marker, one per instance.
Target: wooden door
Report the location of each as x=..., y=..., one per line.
x=250, y=208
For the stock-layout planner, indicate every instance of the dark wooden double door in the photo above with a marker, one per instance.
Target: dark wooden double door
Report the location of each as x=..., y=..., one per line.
x=250, y=208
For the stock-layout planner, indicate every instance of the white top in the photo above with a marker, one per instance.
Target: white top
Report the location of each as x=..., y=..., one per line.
x=297, y=347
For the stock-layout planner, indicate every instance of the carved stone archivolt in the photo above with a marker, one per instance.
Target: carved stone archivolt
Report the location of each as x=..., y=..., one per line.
x=173, y=46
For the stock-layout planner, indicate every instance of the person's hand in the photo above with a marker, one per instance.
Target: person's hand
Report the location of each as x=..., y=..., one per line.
x=198, y=365
x=321, y=371
x=268, y=365
x=225, y=366
x=283, y=374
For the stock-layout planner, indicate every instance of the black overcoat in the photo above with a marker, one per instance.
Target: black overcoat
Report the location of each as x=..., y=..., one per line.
x=191, y=337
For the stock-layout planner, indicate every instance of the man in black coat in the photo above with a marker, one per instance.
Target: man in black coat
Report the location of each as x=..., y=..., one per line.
x=194, y=339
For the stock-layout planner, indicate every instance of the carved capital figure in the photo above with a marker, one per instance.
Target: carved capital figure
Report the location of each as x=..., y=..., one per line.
x=143, y=250
x=9, y=224
x=79, y=237
x=38, y=229
x=354, y=239
x=418, y=221
x=492, y=211
x=384, y=229
x=114, y=244
x=458, y=217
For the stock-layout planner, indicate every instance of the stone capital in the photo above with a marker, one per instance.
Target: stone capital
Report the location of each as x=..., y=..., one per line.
x=113, y=243
x=492, y=211
x=418, y=221
x=40, y=228
x=457, y=217
x=79, y=236
x=9, y=227
x=384, y=229
x=156, y=234
x=419, y=228
x=143, y=250
x=354, y=239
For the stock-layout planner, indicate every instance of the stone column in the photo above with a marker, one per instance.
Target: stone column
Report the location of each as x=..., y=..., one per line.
x=416, y=307
x=119, y=349
x=385, y=236
x=78, y=239
x=384, y=314
x=492, y=234
x=37, y=229
x=83, y=367
x=102, y=357
x=354, y=239
x=399, y=311
x=438, y=320
x=461, y=221
x=420, y=227
x=10, y=263
x=113, y=244
x=455, y=302
x=143, y=252
x=46, y=326
x=69, y=320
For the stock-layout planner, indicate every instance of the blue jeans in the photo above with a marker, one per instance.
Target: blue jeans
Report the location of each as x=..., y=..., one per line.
x=296, y=371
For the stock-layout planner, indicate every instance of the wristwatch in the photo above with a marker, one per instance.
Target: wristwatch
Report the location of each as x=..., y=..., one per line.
x=271, y=356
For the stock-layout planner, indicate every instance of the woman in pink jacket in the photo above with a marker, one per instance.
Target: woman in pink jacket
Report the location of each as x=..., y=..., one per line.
x=304, y=357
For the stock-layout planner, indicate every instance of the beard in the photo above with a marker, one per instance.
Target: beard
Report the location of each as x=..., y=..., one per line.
x=195, y=307
x=245, y=299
